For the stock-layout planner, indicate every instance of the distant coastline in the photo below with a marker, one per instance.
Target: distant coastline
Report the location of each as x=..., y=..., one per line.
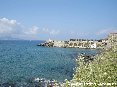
x=79, y=43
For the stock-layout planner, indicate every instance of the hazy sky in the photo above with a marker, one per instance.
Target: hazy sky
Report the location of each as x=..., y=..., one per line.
x=57, y=19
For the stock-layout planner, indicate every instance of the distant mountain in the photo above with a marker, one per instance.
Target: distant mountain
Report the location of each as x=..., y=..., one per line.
x=9, y=38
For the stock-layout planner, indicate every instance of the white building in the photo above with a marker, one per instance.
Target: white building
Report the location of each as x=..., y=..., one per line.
x=49, y=40
x=58, y=44
x=93, y=45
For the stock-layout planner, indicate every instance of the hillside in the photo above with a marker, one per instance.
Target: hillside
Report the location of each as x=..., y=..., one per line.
x=102, y=71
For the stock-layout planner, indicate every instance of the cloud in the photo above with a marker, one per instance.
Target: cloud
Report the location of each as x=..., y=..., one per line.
x=13, y=29
x=45, y=30
x=8, y=22
x=10, y=29
x=76, y=34
x=54, y=32
x=32, y=31
x=50, y=32
x=106, y=31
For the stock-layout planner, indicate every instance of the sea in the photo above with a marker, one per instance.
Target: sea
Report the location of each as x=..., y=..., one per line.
x=22, y=61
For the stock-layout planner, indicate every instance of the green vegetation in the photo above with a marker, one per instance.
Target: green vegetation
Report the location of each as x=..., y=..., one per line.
x=102, y=71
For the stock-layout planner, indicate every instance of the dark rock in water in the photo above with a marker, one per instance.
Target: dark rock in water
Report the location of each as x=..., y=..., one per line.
x=46, y=44
x=40, y=45
x=36, y=82
x=8, y=85
x=86, y=58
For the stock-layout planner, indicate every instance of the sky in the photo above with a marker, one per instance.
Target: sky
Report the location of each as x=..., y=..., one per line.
x=57, y=19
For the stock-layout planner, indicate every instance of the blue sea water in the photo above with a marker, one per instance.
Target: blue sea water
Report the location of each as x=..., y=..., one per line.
x=21, y=60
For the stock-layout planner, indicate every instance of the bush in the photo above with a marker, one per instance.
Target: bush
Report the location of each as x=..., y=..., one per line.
x=101, y=71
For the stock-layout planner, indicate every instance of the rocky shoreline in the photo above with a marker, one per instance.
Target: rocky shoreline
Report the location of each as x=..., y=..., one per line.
x=36, y=82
